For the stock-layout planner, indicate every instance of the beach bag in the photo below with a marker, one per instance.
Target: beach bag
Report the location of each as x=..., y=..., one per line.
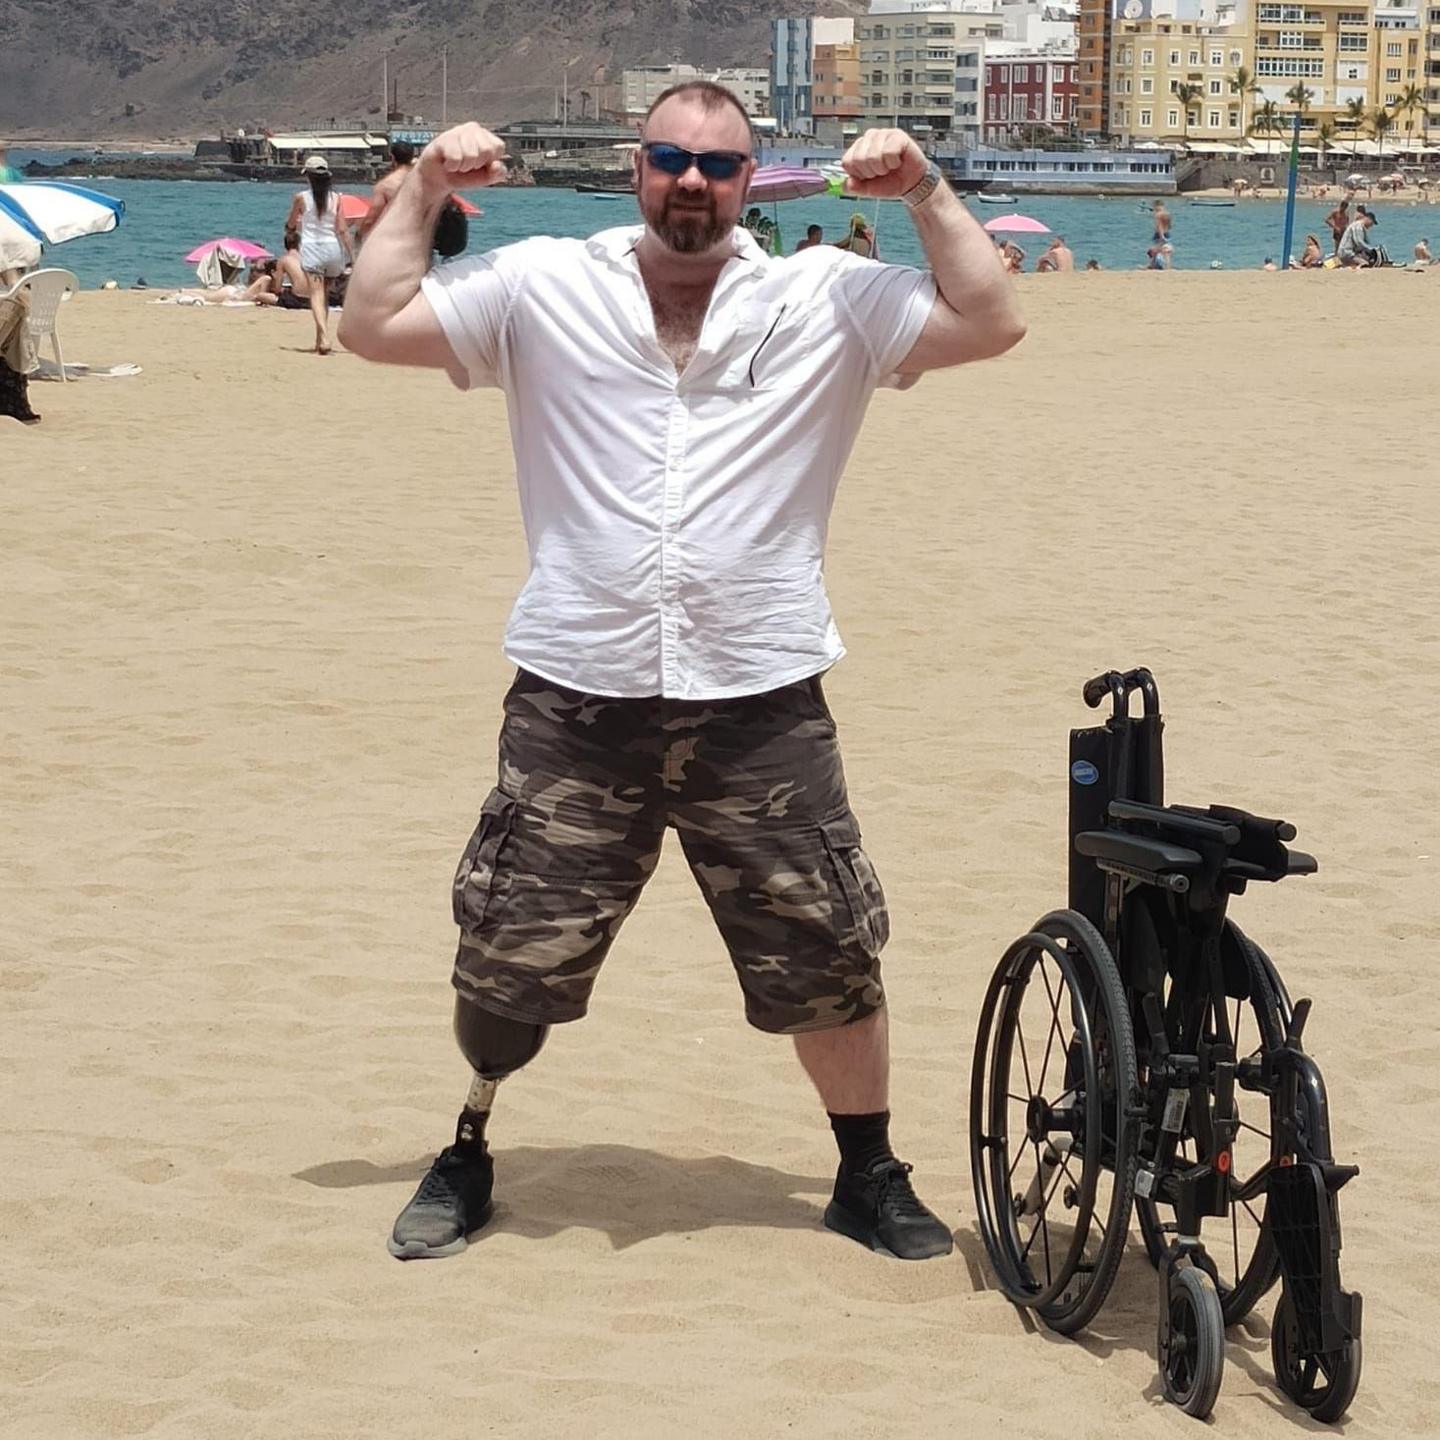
x=452, y=231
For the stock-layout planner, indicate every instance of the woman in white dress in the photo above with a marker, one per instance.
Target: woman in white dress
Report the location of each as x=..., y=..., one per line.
x=324, y=242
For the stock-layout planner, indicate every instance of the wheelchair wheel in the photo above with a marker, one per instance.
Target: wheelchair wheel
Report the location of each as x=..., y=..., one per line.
x=1192, y=1351
x=1245, y=1257
x=1052, y=1147
x=1322, y=1384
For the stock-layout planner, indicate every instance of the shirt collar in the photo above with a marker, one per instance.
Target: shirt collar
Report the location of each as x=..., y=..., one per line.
x=614, y=245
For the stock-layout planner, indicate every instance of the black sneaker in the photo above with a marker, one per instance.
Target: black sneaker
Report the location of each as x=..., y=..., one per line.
x=452, y=1202
x=879, y=1208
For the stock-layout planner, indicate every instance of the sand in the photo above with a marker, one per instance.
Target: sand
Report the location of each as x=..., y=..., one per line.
x=252, y=603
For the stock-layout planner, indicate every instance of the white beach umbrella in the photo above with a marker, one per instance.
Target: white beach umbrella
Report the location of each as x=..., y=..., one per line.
x=54, y=211
x=19, y=249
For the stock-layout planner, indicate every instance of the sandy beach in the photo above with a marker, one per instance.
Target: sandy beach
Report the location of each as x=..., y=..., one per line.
x=251, y=674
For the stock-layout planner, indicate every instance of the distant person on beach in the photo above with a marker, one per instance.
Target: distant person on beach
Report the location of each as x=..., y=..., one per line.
x=814, y=235
x=1339, y=220
x=1157, y=257
x=16, y=358
x=1422, y=252
x=762, y=227
x=1093, y=265
x=676, y=468
x=1269, y=263
x=1356, y=251
x=402, y=159
x=324, y=242
x=859, y=239
x=1057, y=256
x=1313, y=255
x=1013, y=257
x=294, y=295
x=1161, y=217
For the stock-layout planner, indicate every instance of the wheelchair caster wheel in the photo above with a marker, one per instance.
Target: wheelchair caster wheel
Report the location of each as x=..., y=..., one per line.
x=1192, y=1342
x=1323, y=1384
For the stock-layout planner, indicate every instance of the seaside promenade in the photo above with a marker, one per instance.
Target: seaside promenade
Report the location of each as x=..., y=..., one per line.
x=253, y=604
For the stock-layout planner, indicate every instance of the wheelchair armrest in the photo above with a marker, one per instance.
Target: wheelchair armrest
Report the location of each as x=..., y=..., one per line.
x=1297, y=862
x=1137, y=851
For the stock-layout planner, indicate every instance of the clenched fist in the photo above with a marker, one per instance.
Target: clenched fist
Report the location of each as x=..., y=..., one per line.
x=461, y=158
x=883, y=164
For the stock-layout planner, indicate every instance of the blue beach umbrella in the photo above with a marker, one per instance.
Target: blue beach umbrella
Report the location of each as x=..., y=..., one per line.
x=53, y=211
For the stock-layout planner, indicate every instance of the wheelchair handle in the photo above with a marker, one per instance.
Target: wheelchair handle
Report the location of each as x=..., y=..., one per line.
x=1120, y=686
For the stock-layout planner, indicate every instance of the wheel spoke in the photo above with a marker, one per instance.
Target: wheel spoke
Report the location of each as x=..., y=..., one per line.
x=1263, y=1134
x=1054, y=1024
x=1258, y=1221
x=1024, y=1055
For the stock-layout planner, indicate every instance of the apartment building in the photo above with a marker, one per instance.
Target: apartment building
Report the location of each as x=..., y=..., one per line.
x=1432, y=66
x=794, y=43
x=836, y=110
x=921, y=70
x=1397, y=60
x=1151, y=58
x=1093, y=29
x=642, y=85
x=1027, y=89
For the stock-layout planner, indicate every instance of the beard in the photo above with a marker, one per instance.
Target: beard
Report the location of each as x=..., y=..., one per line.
x=687, y=229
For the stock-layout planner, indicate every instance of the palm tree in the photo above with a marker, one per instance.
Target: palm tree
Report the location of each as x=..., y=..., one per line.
x=1324, y=137
x=1187, y=95
x=1267, y=119
x=1355, y=114
x=1412, y=98
x=1244, y=84
x=1300, y=97
x=1380, y=121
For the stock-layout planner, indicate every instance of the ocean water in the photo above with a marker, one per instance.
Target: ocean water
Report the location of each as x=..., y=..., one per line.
x=165, y=219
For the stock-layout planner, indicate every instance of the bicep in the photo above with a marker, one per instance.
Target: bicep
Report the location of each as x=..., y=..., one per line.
x=414, y=336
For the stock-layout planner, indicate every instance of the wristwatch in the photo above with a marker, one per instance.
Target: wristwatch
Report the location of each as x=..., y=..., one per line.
x=924, y=188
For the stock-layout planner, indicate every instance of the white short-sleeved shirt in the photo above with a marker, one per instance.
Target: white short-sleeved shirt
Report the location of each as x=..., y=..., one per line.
x=677, y=523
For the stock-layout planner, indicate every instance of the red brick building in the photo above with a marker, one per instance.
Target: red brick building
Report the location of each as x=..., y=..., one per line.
x=1025, y=90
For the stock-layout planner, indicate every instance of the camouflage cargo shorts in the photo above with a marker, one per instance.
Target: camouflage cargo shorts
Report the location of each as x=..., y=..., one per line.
x=569, y=836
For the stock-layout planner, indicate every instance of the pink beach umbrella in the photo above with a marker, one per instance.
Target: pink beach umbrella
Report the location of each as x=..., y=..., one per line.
x=785, y=182
x=1016, y=225
x=245, y=249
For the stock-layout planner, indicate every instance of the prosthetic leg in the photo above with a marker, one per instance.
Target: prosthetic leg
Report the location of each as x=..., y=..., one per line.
x=453, y=1200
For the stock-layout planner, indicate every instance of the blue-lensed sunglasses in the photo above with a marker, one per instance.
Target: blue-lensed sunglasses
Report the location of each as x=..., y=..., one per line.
x=712, y=164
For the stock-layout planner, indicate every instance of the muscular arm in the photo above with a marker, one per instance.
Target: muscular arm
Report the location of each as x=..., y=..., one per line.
x=975, y=315
x=386, y=317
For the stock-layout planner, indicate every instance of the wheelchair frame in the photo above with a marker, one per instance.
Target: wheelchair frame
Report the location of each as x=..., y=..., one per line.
x=1145, y=1107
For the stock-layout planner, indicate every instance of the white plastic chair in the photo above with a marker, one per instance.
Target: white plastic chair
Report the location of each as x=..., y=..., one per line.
x=47, y=288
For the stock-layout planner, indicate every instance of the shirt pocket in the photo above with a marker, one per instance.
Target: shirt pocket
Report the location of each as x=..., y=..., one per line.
x=770, y=351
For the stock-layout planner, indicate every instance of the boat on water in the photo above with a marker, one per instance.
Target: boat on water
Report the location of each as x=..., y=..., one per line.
x=1215, y=204
x=587, y=188
x=995, y=199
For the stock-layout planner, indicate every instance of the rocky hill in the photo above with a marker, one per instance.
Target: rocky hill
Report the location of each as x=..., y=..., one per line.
x=160, y=67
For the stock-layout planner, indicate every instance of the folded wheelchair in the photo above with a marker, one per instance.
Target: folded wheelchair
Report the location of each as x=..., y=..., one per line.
x=1138, y=1049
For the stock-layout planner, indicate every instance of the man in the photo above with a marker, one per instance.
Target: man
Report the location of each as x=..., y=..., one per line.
x=1422, y=252
x=1056, y=257
x=296, y=295
x=1339, y=221
x=682, y=407
x=402, y=161
x=1355, y=248
x=814, y=235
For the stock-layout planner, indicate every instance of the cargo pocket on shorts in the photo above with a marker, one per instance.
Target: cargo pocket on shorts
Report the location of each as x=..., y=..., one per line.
x=863, y=925
x=475, y=877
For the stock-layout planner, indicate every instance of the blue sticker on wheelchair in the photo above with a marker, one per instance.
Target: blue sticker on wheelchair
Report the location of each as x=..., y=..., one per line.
x=1082, y=772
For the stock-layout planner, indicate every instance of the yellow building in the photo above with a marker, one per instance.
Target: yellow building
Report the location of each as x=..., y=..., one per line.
x=1431, y=32
x=835, y=92
x=1397, y=64
x=1152, y=58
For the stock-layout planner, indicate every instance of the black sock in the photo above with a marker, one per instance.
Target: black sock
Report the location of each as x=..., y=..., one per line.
x=863, y=1139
